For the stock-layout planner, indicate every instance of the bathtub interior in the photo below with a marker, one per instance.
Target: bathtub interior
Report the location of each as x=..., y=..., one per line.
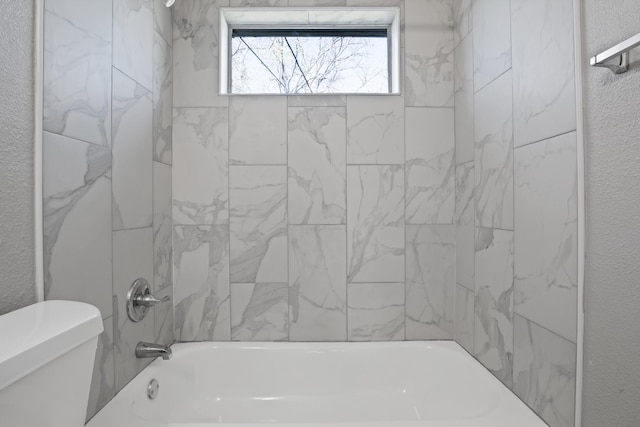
x=395, y=384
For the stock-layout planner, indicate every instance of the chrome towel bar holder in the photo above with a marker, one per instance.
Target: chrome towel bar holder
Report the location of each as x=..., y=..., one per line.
x=621, y=51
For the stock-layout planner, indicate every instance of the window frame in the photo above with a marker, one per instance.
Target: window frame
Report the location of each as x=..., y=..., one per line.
x=336, y=18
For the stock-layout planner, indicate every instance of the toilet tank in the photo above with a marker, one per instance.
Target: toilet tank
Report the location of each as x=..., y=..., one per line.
x=47, y=352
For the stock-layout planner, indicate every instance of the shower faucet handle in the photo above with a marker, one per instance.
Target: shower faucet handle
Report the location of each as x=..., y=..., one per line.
x=139, y=299
x=149, y=300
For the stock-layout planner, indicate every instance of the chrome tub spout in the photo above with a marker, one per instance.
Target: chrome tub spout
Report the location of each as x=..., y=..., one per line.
x=146, y=350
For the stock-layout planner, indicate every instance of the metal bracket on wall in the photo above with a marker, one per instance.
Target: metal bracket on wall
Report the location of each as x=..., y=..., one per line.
x=621, y=51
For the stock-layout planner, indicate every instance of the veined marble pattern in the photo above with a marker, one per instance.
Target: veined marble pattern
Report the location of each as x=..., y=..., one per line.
x=102, y=381
x=465, y=230
x=132, y=259
x=430, y=281
x=464, y=100
x=544, y=93
x=259, y=312
x=195, y=54
x=317, y=283
x=464, y=318
x=262, y=3
x=307, y=3
x=258, y=224
x=317, y=165
x=430, y=166
x=317, y=100
x=200, y=166
x=163, y=23
x=494, y=155
x=493, y=342
x=375, y=130
x=375, y=224
x=164, y=324
x=162, y=99
x=162, y=227
x=201, y=283
x=546, y=265
x=375, y=311
x=491, y=40
x=77, y=221
x=132, y=148
x=544, y=370
x=429, y=53
x=463, y=19
x=77, y=70
x=258, y=130
x=133, y=24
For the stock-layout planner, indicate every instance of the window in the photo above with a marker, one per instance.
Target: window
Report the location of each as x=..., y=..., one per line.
x=309, y=51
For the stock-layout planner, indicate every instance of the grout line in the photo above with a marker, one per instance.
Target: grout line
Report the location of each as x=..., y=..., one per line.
x=486, y=85
x=542, y=327
x=544, y=139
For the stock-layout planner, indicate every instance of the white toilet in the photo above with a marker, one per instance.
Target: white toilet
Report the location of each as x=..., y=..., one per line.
x=47, y=352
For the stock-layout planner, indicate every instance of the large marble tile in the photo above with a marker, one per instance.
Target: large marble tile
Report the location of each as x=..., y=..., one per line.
x=162, y=100
x=162, y=20
x=493, y=130
x=544, y=371
x=317, y=165
x=77, y=221
x=493, y=336
x=465, y=230
x=464, y=318
x=133, y=24
x=544, y=90
x=317, y=283
x=464, y=101
x=163, y=323
x=259, y=312
x=463, y=19
x=162, y=227
x=258, y=130
x=195, y=54
x=491, y=40
x=102, y=381
x=201, y=283
x=429, y=53
x=261, y=3
x=430, y=281
x=132, y=259
x=375, y=224
x=375, y=311
x=430, y=166
x=546, y=264
x=310, y=3
x=375, y=130
x=132, y=154
x=77, y=70
x=200, y=166
x=317, y=100
x=258, y=224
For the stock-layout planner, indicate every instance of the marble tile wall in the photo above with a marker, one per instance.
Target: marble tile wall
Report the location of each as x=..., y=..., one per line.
x=107, y=170
x=516, y=197
x=314, y=218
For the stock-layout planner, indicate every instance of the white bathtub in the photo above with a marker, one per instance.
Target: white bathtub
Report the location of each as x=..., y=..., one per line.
x=399, y=384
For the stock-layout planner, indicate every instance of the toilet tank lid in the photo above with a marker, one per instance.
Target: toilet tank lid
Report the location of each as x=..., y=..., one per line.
x=35, y=335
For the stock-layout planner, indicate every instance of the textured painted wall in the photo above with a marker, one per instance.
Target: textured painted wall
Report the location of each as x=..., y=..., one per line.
x=107, y=171
x=612, y=291
x=309, y=218
x=17, y=275
x=516, y=205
